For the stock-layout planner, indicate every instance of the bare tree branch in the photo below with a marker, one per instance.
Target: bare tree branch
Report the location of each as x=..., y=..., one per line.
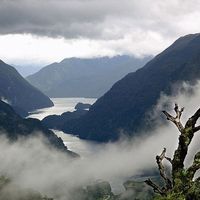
x=182, y=179
x=155, y=187
x=184, y=141
x=162, y=170
x=169, y=159
x=192, y=121
x=176, y=120
x=163, y=174
x=195, y=129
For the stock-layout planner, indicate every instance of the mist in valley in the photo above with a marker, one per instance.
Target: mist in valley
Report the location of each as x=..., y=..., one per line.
x=32, y=163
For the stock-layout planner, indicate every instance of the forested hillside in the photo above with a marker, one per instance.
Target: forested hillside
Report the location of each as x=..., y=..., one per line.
x=14, y=127
x=81, y=77
x=124, y=106
x=19, y=93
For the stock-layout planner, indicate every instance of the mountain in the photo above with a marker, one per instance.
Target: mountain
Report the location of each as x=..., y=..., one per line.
x=18, y=92
x=57, y=121
x=76, y=77
x=125, y=105
x=27, y=70
x=13, y=126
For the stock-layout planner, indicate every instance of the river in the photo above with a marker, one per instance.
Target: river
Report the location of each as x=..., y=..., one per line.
x=86, y=149
x=83, y=147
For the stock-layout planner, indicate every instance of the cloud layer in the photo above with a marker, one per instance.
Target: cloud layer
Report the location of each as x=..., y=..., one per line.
x=99, y=27
x=96, y=19
x=30, y=163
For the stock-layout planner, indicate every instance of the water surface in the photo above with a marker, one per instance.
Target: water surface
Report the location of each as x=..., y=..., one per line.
x=83, y=147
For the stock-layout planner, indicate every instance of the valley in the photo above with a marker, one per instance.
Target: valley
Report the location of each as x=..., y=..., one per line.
x=99, y=148
x=99, y=100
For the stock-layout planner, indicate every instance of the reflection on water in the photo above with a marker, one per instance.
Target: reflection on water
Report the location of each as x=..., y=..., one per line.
x=60, y=105
x=83, y=147
x=88, y=150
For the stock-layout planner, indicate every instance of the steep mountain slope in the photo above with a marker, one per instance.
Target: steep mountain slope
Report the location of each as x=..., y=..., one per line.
x=13, y=126
x=124, y=106
x=18, y=92
x=75, y=77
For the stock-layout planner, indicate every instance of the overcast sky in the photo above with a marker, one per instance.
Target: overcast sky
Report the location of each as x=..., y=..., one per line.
x=41, y=32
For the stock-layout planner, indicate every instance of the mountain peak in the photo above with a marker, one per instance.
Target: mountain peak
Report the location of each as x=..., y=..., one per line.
x=16, y=90
x=84, y=77
x=124, y=106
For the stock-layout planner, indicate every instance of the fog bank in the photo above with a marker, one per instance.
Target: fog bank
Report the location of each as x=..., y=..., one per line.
x=32, y=163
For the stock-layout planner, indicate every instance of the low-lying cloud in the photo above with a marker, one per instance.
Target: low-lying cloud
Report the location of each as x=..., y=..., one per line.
x=30, y=163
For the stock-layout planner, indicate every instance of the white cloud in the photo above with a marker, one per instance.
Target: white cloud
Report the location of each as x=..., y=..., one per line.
x=42, y=169
x=91, y=28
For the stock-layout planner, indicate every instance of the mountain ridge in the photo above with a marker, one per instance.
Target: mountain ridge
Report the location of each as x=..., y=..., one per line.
x=18, y=92
x=124, y=106
x=83, y=77
x=13, y=127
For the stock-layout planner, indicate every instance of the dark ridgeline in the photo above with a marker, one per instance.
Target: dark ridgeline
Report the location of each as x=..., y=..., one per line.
x=125, y=105
x=14, y=126
x=84, y=77
x=21, y=95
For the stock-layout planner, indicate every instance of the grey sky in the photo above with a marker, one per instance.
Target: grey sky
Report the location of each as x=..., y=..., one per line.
x=108, y=27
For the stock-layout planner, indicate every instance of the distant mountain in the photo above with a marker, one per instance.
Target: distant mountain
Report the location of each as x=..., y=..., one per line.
x=124, y=106
x=13, y=126
x=18, y=92
x=76, y=77
x=26, y=70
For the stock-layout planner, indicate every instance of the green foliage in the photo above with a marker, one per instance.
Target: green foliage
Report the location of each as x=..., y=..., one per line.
x=57, y=121
x=20, y=92
x=99, y=189
x=14, y=127
x=136, y=190
x=183, y=185
x=76, y=77
x=10, y=191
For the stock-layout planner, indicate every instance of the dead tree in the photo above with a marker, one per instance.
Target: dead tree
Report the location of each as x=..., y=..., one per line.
x=181, y=183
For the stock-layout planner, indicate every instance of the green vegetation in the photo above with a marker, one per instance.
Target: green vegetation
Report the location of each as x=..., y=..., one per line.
x=100, y=190
x=15, y=89
x=84, y=77
x=13, y=126
x=135, y=190
x=57, y=121
x=182, y=184
x=125, y=105
x=10, y=191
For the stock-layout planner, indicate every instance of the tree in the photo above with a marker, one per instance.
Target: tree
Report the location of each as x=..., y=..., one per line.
x=181, y=185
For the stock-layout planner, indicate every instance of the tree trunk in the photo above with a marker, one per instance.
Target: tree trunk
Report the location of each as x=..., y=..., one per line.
x=181, y=182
